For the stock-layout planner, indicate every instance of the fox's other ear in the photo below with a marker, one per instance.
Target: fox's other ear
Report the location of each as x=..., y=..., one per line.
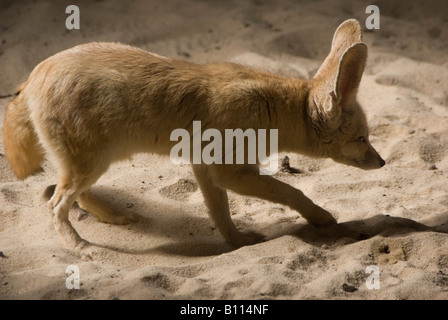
x=347, y=34
x=351, y=68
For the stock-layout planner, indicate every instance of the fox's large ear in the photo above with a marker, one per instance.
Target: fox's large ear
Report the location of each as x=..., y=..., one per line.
x=347, y=34
x=351, y=68
x=332, y=94
x=338, y=78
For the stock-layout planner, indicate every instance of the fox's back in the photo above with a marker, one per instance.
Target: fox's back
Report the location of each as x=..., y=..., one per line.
x=103, y=94
x=107, y=89
x=95, y=76
x=112, y=91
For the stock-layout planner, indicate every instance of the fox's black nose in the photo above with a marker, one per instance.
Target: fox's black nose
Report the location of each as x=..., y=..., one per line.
x=382, y=162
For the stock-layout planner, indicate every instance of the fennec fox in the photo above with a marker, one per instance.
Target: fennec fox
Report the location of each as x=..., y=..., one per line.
x=97, y=103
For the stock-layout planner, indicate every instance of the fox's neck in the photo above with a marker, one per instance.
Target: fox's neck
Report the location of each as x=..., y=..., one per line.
x=286, y=108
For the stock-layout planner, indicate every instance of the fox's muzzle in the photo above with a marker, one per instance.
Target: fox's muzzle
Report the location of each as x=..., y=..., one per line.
x=372, y=160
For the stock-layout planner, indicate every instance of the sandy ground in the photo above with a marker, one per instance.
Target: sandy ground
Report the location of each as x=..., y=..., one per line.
x=395, y=218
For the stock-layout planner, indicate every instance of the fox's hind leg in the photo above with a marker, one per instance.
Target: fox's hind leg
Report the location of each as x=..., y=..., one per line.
x=69, y=187
x=73, y=183
x=96, y=207
x=88, y=202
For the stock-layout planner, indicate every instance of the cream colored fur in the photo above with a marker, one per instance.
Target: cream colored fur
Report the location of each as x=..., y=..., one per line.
x=97, y=103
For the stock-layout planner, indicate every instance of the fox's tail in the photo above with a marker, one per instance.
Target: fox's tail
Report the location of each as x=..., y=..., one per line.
x=23, y=151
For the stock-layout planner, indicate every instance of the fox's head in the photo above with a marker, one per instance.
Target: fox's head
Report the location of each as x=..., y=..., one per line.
x=336, y=117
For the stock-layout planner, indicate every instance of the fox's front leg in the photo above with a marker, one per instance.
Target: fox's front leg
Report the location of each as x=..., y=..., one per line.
x=246, y=180
x=218, y=205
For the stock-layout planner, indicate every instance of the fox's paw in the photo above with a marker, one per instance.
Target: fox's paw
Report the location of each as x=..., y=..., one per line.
x=83, y=248
x=321, y=218
x=119, y=218
x=90, y=252
x=245, y=238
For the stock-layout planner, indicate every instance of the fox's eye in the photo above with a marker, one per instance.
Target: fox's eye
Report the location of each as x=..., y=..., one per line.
x=362, y=139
